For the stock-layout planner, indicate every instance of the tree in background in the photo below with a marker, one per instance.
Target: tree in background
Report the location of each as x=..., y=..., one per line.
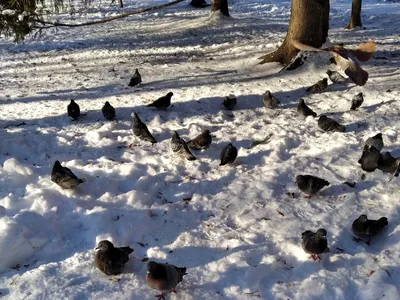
x=220, y=5
x=309, y=24
x=355, y=20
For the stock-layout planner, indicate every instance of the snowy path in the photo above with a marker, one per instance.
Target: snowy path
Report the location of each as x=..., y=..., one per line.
x=239, y=235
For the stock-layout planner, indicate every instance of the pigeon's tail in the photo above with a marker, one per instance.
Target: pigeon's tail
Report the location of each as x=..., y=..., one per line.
x=191, y=157
x=325, y=182
x=341, y=128
x=128, y=250
x=383, y=222
x=150, y=105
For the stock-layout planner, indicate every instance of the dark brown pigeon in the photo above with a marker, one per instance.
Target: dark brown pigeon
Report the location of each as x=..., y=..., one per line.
x=328, y=124
x=228, y=154
x=111, y=260
x=163, y=102
x=108, y=111
x=73, y=110
x=365, y=229
x=315, y=243
x=64, y=176
x=304, y=110
x=319, y=86
x=136, y=79
x=310, y=185
x=202, y=141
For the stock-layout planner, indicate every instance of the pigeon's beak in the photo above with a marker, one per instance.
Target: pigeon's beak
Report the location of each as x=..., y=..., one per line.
x=97, y=248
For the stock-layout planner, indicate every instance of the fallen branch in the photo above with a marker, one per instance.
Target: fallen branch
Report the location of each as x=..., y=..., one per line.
x=140, y=11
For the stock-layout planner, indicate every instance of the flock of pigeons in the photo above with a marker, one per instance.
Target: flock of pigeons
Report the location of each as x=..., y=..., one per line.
x=162, y=277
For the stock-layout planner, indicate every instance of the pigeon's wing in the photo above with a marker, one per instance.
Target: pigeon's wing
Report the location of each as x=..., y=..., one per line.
x=364, y=51
x=304, y=47
x=352, y=69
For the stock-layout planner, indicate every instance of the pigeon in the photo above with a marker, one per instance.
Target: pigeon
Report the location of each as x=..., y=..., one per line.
x=64, y=176
x=180, y=147
x=366, y=229
x=319, y=86
x=375, y=141
x=314, y=243
x=111, y=260
x=369, y=159
x=270, y=101
x=164, y=277
x=347, y=59
x=73, y=110
x=357, y=101
x=199, y=3
x=163, y=102
x=136, y=79
x=389, y=164
x=202, y=141
x=228, y=154
x=310, y=185
x=304, y=110
x=108, y=111
x=140, y=130
x=328, y=124
x=335, y=77
x=230, y=102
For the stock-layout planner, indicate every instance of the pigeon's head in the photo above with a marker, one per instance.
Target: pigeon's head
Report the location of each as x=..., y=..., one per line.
x=72, y=101
x=104, y=245
x=301, y=101
x=298, y=178
x=325, y=80
x=360, y=95
x=107, y=103
x=379, y=135
x=363, y=218
x=136, y=71
x=329, y=72
x=155, y=268
x=175, y=135
x=322, y=118
x=231, y=96
x=57, y=164
x=207, y=132
x=321, y=232
x=170, y=94
x=267, y=92
x=136, y=118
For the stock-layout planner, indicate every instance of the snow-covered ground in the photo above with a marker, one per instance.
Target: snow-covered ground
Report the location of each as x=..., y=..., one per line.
x=239, y=235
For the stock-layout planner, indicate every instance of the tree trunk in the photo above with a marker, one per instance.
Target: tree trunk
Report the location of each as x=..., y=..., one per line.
x=220, y=5
x=355, y=20
x=309, y=24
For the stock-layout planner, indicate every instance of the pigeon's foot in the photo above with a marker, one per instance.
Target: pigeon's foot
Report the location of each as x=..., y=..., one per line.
x=173, y=291
x=357, y=240
x=161, y=296
x=315, y=257
x=307, y=196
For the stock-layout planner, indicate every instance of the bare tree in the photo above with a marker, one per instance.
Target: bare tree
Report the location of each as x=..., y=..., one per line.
x=355, y=20
x=220, y=5
x=309, y=24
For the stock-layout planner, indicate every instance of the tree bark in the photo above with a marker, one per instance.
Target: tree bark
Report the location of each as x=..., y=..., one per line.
x=355, y=20
x=220, y=5
x=309, y=24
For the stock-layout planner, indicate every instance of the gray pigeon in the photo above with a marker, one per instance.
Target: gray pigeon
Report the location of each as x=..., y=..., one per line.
x=163, y=102
x=369, y=159
x=140, y=130
x=310, y=185
x=270, y=101
x=375, y=141
x=111, y=260
x=73, y=110
x=335, y=77
x=315, y=243
x=230, y=102
x=108, y=111
x=202, y=141
x=180, y=147
x=228, y=154
x=366, y=229
x=328, y=124
x=64, y=176
x=304, y=110
x=164, y=277
x=319, y=86
x=389, y=164
x=136, y=79
x=357, y=101
x=199, y=3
